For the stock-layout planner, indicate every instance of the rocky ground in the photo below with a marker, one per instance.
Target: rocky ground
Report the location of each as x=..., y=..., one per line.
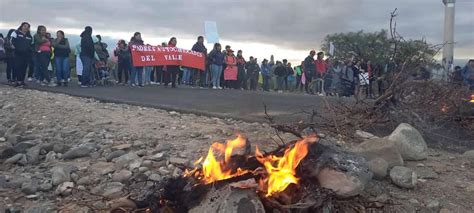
x=70, y=154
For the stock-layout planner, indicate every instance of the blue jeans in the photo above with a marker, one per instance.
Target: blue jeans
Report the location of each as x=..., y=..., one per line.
x=186, y=76
x=216, y=72
x=86, y=70
x=62, y=68
x=137, y=72
x=148, y=73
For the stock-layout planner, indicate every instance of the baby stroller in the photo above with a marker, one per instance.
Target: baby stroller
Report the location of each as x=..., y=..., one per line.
x=102, y=74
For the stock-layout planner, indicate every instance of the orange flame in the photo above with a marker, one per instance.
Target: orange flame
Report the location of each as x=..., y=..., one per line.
x=214, y=169
x=472, y=99
x=283, y=174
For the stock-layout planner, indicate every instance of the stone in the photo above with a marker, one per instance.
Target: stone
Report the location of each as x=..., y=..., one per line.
x=195, y=135
x=61, y=148
x=2, y=139
x=341, y=183
x=379, y=148
x=379, y=167
x=157, y=157
x=14, y=131
x=122, y=176
x=121, y=203
x=163, y=171
x=141, y=153
x=147, y=163
x=138, y=144
x=60, y=174
x=426, y=173
x=51, y=156
x=16, y=182
x=14, y=159
x=127, y=160
x=45, y=187
x=163, y=147
x=364, y=135
x=115, y=154
x=230, y=199
x=409, y=142
x=78, y=152
x=29, y=188
x=33, y=155
x=469, y=155
x=102, y=168
x=154, y=177
x=113, y=190
x=177, y=172
x=22, y=147
x=41, y=209
x=433, y=205
x=6, y=151
x=84, y=181
x=122, y=147
x=403, y=177
x=64, y=189
x=179, y=161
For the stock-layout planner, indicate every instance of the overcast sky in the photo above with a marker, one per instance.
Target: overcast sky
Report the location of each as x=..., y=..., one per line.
x=286, y=28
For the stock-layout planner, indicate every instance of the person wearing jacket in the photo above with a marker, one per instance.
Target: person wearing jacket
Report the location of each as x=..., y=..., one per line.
x=199, y=47
x=137, y=72
x=216, y=59
x=253, y=70
x=21, y=41
x=172, y=70
x=87, y=56
x=280, y=72
x=299, y=73
x=468, y=74
x=309, y=69
x=124, y=58
x=241, y=78
x=231, y=70
x=266, y=75
x=9, y=51
x=42, y=49
x=61, y=58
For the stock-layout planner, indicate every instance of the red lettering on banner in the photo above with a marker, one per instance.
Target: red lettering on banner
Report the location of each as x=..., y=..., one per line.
x=147, y=55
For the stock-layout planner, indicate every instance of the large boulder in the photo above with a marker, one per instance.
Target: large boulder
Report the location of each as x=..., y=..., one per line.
x=403, y=177
x=409, y=142
x=379, y=148
x=379, y=167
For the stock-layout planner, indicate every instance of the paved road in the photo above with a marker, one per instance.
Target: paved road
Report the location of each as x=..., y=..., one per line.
x=244, y=105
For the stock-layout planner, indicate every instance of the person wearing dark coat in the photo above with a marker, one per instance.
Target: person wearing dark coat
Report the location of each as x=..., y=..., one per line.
x=21, y=40
x=87, y=56
x=199, y=47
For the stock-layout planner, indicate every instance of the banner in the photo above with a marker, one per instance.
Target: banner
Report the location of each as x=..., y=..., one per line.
x=210, y=28
x=147, y=55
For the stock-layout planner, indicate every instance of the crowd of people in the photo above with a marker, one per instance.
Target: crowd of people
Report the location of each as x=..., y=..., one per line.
x=46, y=60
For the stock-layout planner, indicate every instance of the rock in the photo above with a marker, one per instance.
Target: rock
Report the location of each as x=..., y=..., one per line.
x=173, y=113
x=84, y=181
x=469, y=155
x=443, y=210
x=195, y=134
x=147, y=163
x=433, y=205
x=122, y=176
x=121, y=203
x=15, y=159
x=379, y=167
x=426, y=173
x=51, y=156
x=33, y=155
x=2, y=139
x=154, y=177
x=60, y=174
x=122, y=147
x=138, y=144
x=141, y=153
x=229, y=199
x=29, y=188
x=16, y=182
x=6, y=151
x=14, y=131
x=41, y=209
x=45, y=187
x=177, y=172
x=179, y=161
x=61, y=148
x=163, y=171
x=114, y=154
x=128, y=160
x=78, y=152
x=65, y=189
x=341, y=183
x=380, y=148
x=409, y=142
x=22, y=147
x=113, y=190
x=163, y=147
x=158, y=157
x=403, y=177
x=102, y=168
x=364, y=135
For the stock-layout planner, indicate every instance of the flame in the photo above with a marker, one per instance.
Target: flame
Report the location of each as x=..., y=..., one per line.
x=472, y=99
x=282, y=170
x=214, y=169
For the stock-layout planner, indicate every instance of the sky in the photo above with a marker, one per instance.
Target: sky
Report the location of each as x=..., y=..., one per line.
x=284, y=28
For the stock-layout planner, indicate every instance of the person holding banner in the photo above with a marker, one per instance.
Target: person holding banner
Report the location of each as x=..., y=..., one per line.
x=199, y=47
x=137, y=72
x=230, y=72
x=216, y=59
x=172, y=70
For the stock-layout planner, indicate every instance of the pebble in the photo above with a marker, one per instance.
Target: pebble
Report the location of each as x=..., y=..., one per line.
x=29, y=188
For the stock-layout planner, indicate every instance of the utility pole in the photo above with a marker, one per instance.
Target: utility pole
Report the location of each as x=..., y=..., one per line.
x=448, y=48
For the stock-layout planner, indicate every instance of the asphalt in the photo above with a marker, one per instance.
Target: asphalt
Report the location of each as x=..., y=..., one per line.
x=237, y=104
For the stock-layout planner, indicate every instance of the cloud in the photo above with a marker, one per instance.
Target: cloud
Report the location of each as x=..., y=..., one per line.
x=297, y=24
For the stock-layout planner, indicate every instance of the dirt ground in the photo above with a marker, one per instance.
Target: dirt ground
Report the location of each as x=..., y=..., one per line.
x=57, y=118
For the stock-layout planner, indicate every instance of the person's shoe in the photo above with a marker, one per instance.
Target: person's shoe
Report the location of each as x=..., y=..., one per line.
x=30, y=79
x=158, y=83
x=220, y=88
x=58, y=84
x=51, y=84
x=140, y=85
x=84, y=86
x=42, y=84
x=133, y=85
x=214, y=87
x=65, y=84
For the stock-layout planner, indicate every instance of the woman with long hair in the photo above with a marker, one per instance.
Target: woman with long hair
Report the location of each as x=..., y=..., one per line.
x=21, y=40
x=43, y=55
x=216, y=59
x=172, y=69
x=9, y=52
x=61, y=58
x=231, y=71
x=137, y=72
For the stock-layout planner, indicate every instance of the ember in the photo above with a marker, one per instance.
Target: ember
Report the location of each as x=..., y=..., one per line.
x=282, y=170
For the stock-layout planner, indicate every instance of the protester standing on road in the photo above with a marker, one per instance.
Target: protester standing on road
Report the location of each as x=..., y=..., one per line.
x=216, y=59
x=61, y=58
x=231, y=70
x=299, y=73
x=87, y=56
x=241, y=78
x=253, y=71
x=280, y=72
x=265, y=75
x=321, y=69
x=9, y=52
x=172, y=69
x=21, y=41
x=290, y=77
x=43, y=55
x=309, y=69
x=137, y=72
x=202, y=74
x=124, y=58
